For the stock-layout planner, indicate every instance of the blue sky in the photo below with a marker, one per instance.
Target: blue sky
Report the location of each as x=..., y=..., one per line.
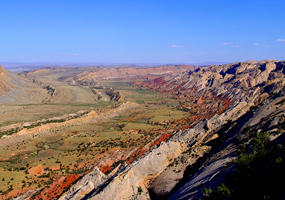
x=141, y=31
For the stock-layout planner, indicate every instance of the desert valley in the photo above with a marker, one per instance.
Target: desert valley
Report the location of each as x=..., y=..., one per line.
x=142, y=100
x=133, y=132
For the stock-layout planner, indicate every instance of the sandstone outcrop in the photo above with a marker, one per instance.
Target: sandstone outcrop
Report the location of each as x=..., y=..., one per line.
x=114, y=95
x=85, y=185
x=38, y=170
x=133, y=181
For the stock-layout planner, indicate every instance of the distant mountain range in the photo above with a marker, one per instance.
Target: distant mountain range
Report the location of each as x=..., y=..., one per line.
x=22, y=66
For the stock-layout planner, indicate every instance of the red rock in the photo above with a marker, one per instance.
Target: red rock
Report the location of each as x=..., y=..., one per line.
x=38, y=170
x=55, y=189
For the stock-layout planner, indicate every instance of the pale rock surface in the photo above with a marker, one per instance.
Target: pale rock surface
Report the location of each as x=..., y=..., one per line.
x=85, y=185
x=140, y=173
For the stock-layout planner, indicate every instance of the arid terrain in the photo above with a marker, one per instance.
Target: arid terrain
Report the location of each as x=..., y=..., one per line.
x=68, y=129
x=166, y=132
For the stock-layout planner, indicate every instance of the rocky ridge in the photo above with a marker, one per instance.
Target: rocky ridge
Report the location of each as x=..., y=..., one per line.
x=14, y=88
x=8, y=82
x=241, y=86
x=219, y=162
x=93, y=78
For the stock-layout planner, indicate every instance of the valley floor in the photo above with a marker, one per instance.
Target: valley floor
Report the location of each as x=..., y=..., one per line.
x=41, y=142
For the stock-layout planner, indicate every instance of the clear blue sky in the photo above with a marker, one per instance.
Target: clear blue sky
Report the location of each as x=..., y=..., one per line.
x=141, y=31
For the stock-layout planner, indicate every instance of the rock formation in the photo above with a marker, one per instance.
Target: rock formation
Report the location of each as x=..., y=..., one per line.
x=114, y=95
x=85, y=185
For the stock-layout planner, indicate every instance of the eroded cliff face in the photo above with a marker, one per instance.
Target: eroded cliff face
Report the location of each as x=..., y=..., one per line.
x=226, y=81
x=132, y=182
x=240, y=86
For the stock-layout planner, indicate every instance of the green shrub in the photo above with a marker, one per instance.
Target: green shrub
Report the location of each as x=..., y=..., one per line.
x=251, y=162
x=140, y=190
x=221, y=193
x=255, y=174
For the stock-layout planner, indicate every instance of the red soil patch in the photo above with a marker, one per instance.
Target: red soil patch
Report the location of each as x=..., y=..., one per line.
x=55, y=189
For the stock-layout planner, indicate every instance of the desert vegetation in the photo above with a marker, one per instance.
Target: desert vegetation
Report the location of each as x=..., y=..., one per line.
x=257, y=166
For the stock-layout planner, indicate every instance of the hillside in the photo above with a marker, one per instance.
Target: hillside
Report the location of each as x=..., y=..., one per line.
x=18, y=90
x=7, y=82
